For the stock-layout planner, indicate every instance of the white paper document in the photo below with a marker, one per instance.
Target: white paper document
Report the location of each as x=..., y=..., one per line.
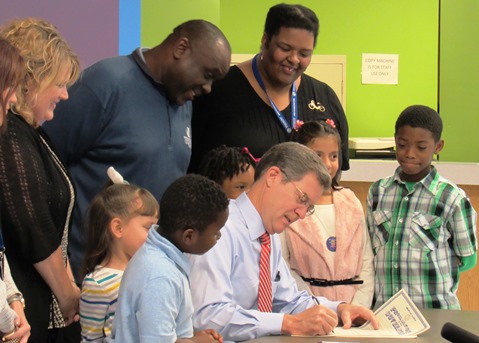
x=398, y=318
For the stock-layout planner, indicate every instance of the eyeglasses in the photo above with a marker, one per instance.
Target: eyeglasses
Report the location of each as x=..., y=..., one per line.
x=303, y=198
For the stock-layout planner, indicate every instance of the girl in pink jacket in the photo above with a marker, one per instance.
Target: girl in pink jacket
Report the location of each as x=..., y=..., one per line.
x=329, y=252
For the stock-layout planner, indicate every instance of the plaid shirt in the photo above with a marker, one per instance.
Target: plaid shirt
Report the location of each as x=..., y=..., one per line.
x=418, y=238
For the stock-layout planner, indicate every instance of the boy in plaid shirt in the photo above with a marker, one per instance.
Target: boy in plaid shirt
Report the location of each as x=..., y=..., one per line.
x=422, y=226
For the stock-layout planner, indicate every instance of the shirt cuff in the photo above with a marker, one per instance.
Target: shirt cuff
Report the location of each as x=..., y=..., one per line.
x=269, y=323
x=333, y=305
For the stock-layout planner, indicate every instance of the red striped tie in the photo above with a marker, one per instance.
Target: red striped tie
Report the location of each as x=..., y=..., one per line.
x=265, y=297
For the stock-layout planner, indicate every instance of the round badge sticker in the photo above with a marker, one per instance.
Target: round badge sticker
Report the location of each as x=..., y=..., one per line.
x=331, y=243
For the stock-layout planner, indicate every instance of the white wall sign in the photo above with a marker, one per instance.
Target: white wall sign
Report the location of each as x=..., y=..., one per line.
x=380, y=69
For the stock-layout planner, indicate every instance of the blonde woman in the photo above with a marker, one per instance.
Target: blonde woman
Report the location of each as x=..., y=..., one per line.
x=13, y=323
x=36, y=193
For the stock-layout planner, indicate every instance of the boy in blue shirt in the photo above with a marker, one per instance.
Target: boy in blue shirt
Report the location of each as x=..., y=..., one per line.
x=422, y=226
x=154, y=303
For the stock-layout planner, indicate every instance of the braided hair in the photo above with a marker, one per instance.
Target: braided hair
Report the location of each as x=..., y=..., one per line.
x=223, y=162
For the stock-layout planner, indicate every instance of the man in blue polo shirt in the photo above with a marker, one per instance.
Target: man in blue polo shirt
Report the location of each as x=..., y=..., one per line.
x=134, y=113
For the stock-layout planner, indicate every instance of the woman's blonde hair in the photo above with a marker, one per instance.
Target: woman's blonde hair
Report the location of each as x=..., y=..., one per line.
x=12, y=70
x=46, y=55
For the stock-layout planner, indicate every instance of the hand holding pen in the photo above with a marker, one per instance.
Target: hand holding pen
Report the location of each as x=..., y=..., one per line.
x=317, y=320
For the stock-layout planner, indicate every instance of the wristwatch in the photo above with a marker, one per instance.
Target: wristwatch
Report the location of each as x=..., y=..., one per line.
x=16, y=297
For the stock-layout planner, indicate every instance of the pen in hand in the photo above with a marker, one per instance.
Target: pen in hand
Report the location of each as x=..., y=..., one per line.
x=317, y=303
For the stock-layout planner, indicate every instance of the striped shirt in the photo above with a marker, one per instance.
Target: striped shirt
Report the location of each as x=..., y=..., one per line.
x=7, y=315
x=98, y=302
x=418, y=238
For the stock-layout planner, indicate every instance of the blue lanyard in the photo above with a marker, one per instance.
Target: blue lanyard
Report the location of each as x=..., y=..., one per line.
x=294, y=100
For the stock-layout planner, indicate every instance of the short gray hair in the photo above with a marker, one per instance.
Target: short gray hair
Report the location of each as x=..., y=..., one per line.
x=295, y=160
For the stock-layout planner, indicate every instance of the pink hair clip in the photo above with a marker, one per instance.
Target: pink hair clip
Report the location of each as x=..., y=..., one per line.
x=330, y=122
x=245, y=150
x=298, y=124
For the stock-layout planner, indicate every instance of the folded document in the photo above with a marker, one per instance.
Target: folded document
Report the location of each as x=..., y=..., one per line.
x=398, y=318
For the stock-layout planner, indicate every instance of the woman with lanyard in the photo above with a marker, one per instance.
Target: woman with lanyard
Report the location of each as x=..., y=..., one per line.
x=14, y=326
x=260, y=100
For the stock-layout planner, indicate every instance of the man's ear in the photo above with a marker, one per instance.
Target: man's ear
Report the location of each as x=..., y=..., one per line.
x=439, y=146
x=273, y=175
x=181, y=47
x=116, y=227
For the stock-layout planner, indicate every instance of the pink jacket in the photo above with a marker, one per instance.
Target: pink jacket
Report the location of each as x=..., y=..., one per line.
x=307, y=249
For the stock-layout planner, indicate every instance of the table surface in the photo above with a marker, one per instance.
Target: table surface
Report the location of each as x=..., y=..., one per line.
x=468, y=320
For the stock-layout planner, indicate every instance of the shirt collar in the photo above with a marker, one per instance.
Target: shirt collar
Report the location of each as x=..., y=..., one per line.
x=169, y=249
x=254, y=223
x=429, y=182
x=139, y=58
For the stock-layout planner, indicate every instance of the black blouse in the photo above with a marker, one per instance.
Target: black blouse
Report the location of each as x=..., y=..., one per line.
x=233, y=114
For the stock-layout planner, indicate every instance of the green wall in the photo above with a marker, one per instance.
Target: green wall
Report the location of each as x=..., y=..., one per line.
x=409, y=28
x=159, y=17
x=352, y=27
x=458, y=95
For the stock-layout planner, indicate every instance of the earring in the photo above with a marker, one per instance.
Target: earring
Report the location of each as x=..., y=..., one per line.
x=13, y=108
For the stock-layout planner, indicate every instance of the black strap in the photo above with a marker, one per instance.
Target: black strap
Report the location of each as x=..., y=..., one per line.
x=328, y=283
